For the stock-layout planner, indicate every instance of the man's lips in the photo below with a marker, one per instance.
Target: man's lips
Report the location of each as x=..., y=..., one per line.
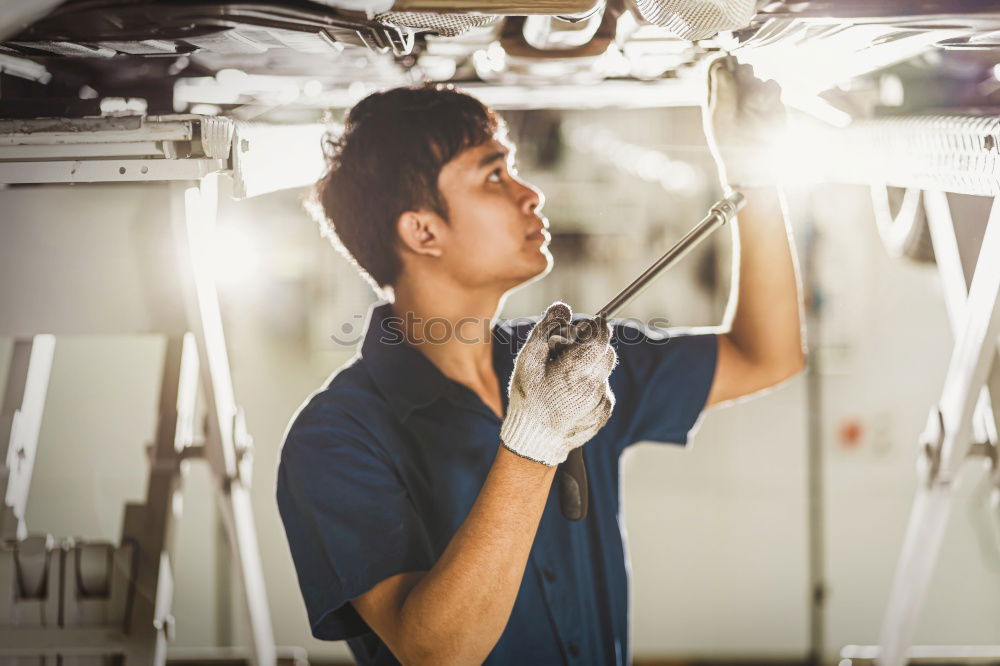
x=541, y=234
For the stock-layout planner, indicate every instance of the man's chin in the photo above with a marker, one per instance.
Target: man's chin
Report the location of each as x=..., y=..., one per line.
x=544, y=269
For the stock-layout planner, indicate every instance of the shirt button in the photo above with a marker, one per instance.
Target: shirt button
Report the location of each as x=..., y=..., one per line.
x=549, y=574
x=574, y=650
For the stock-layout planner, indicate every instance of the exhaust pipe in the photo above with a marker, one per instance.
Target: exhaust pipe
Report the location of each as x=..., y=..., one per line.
x=499, y=7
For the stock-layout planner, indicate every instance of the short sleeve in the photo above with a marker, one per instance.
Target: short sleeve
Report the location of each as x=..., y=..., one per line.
x=661, y=382
x=349, y=521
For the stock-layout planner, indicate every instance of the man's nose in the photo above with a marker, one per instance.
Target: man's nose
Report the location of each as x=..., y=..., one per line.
x=532, y=198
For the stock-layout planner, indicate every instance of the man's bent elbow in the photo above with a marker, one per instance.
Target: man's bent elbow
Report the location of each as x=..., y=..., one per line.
x=776, y=371
x=453, y=649
x=433, y=643
x=432, y=629
x=794, y=365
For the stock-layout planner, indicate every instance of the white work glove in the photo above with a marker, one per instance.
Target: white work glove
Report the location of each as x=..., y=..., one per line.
x=557, y=405
x=743, y=116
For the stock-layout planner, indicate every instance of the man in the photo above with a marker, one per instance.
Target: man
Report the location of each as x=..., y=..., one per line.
x=416, y=486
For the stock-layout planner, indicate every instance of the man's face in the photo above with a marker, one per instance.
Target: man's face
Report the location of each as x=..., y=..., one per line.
x=497, y=235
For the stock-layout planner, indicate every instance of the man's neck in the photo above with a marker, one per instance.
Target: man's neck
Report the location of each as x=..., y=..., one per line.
x=451, y=327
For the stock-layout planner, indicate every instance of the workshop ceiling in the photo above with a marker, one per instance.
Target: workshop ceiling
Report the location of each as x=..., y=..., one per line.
x=177, y=53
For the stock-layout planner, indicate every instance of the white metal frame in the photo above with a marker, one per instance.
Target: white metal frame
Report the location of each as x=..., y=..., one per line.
x=227, y=444
x=21, y=421
x=964, y=415
x=935, y=155
x=192, y=151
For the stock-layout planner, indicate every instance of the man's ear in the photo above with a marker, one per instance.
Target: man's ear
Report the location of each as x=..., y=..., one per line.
x=421, y=232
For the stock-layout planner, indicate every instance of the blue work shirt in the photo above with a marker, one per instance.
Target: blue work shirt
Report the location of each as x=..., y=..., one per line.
x=381, y=465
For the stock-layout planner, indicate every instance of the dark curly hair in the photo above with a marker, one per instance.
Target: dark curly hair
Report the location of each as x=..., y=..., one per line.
x=386, y=161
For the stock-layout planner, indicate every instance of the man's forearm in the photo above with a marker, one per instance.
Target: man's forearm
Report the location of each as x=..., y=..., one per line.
x=459, y=609
x=765, y=308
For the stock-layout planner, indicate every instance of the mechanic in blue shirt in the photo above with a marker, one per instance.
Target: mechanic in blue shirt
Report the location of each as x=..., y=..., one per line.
x=416, y=487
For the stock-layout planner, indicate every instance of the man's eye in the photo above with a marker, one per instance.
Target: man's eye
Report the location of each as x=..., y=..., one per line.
x=494, y=176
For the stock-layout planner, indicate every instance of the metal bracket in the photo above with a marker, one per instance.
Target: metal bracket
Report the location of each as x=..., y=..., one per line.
x=131, y=148
x=243, y=443
x=931, y=440
x=398, y=39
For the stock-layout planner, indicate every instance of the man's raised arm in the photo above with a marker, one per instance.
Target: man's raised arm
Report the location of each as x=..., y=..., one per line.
x=764, y=343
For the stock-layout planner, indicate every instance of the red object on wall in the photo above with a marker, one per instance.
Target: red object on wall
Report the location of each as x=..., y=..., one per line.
x=850, y=432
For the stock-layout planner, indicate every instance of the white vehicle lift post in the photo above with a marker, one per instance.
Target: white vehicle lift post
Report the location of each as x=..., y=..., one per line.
x=948, y=438
x=930, y=156
x=20, y=423
x=116, y=599
x=228, y=445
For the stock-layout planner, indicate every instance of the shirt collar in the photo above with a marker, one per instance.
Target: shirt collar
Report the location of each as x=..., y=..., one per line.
x=404, y=376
